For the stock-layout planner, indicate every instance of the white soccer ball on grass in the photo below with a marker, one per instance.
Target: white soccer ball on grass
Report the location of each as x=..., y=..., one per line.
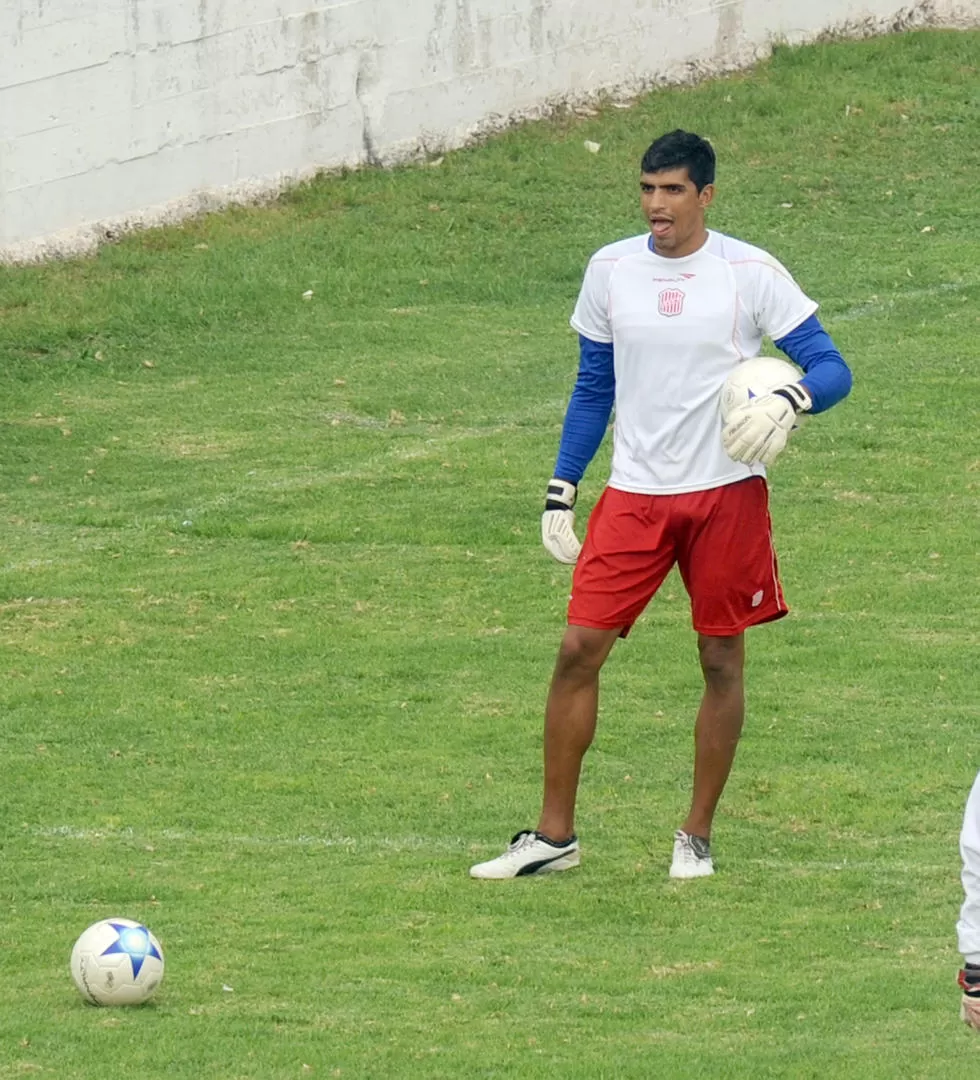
x=117, y=962
x=752, y=379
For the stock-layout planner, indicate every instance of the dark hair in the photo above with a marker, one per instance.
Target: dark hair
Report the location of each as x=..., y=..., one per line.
x=682, y=148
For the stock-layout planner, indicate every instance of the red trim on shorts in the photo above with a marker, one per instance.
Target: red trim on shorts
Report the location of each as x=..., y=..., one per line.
x=720, y=539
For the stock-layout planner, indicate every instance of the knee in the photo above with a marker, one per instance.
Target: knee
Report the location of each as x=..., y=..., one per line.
x=581, y=654
x=722, y=659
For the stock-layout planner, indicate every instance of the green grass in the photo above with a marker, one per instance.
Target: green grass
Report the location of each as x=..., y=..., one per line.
x=276, y=626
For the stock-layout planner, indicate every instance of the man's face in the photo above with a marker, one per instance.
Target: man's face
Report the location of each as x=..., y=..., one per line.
x=674, y=209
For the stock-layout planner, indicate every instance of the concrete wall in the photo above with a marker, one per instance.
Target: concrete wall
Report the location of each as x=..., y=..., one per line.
x=116, y=113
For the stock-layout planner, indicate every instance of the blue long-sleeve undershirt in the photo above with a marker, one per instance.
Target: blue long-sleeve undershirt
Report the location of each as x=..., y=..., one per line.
x=587, y=416
x=826, y=377
x=826, y=374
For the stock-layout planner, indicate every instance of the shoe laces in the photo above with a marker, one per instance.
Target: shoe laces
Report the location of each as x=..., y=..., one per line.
x=700, y=847
x=693, y=848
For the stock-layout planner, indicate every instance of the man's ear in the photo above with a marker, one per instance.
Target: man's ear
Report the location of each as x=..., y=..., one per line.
x=706, y=194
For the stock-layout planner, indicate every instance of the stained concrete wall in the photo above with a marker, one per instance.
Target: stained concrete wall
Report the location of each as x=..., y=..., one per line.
x=117, y=113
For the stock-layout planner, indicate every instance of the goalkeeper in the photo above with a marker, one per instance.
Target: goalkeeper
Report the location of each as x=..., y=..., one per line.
x=968, y=927
x=663, y=318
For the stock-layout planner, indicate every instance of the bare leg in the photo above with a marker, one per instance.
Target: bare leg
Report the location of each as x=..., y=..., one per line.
x=718, y=727
x=570, y=721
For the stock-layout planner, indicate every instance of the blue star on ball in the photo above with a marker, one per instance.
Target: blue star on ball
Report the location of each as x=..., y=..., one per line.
x=135, y=942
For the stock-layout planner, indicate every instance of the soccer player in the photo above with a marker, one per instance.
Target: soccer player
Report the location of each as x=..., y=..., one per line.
x=662, y=319
x=968, y=928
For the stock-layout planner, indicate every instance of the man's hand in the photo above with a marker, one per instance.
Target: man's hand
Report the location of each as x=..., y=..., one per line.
x=558, y=521
x=969, y=981
x=759, y=431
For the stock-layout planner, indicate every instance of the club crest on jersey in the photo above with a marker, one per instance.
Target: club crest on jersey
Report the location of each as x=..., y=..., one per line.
x=671, y=302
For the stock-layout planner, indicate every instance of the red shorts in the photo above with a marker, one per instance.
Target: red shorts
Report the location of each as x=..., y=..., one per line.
x=720, y=539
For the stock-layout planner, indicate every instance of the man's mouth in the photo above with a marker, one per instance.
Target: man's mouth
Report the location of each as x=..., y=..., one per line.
x=660, y=226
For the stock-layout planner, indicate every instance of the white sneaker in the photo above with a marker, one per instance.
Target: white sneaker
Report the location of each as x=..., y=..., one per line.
x=692, y=856
x=529, y=853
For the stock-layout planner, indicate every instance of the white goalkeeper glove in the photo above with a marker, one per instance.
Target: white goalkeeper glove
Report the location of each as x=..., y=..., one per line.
x=758, y=432
x=558, y=521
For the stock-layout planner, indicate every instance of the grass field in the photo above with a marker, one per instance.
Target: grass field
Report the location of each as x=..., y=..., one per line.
x=276, y=625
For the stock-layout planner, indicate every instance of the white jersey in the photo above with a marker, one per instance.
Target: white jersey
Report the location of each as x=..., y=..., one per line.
x=678, y=328
x=968, y=927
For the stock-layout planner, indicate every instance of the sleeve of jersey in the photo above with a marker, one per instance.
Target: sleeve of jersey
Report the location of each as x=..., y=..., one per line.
x=826, y=374
x=591, y=315
x=587, y=416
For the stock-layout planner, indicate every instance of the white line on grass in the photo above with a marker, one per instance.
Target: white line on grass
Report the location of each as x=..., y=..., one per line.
x=877, y=304
x=350, y=843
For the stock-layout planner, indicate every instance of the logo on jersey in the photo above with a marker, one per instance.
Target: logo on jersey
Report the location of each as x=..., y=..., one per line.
x=671, y=302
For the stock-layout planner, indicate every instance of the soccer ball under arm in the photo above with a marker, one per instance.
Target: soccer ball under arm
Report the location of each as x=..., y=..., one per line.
x=761, y=403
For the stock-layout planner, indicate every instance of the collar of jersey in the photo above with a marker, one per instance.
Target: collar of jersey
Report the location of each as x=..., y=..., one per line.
x=667, y=261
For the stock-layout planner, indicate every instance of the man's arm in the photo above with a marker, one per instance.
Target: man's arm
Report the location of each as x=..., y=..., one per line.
x=586, y=420
x=827, y=377
x=587, y=416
